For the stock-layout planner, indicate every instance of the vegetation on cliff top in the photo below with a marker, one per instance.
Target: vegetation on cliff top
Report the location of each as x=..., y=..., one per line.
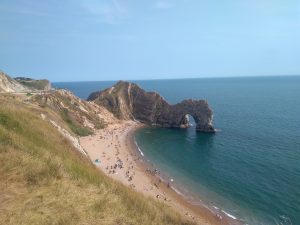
x=45, y=180
x=34, y=84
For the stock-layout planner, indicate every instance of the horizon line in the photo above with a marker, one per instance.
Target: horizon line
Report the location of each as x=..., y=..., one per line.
x=188, y=78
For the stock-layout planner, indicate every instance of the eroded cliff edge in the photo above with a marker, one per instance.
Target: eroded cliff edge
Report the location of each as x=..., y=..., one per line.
x=130, y=102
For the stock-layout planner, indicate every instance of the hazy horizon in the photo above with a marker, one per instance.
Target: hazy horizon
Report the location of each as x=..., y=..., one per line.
x=87, y=40
x=184, y=78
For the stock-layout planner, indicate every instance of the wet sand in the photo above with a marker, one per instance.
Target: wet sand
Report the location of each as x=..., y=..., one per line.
x=114, y=152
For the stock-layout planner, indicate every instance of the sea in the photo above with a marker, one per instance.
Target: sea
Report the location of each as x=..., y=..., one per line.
x=250, y=168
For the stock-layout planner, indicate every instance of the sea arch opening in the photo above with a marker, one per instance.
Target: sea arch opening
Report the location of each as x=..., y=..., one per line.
x=188, y=121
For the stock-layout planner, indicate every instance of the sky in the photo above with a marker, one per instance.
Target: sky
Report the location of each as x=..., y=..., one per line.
x=89, y=40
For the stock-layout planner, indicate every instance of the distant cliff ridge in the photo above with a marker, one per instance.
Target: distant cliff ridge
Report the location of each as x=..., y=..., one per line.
x=22, y=84
x=130, y=102
x=43, y=85
x=8, y=84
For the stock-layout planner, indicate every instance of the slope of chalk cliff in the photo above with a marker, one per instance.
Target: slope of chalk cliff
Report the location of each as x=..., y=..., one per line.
x=8, y=84
x=82, y=117
x=45, y=178
x=130, y=102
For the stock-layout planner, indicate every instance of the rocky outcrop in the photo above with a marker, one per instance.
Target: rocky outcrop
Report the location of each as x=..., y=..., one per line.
x=8, y=84
x=129, y=102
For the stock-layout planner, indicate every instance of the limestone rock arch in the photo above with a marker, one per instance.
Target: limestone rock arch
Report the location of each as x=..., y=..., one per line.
x=128, y=101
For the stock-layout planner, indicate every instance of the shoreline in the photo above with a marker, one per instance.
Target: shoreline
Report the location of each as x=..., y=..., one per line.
x=115, y=151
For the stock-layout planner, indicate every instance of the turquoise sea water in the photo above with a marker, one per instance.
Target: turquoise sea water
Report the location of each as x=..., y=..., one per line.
x=251, y=167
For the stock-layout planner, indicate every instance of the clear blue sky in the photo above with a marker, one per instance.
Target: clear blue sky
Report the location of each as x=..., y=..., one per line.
x=74, y=40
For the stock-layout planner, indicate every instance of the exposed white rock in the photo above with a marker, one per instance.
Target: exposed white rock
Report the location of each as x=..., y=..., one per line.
x=74, y=140
x=82, y=109
x=43, y=116
x=7, y=84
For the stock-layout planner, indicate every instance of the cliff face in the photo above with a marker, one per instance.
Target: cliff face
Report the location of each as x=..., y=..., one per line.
x=128, y=101
x=8, y=84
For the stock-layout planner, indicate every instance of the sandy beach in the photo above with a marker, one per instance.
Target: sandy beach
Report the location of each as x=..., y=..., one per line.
x=113, y=151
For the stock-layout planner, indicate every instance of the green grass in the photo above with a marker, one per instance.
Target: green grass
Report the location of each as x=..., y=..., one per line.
x=73, y=125
x=45, y=181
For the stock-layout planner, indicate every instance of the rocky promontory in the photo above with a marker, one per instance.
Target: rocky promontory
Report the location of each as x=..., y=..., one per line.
x=130, y=102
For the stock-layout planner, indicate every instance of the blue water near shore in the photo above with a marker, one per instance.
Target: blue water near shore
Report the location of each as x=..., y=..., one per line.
x=251, y=167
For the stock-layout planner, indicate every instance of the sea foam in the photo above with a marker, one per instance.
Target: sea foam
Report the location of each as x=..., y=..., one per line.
x=141, y=152
x=229, y=215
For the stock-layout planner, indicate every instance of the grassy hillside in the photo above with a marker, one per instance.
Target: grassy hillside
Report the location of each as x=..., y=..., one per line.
x=44, y=180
